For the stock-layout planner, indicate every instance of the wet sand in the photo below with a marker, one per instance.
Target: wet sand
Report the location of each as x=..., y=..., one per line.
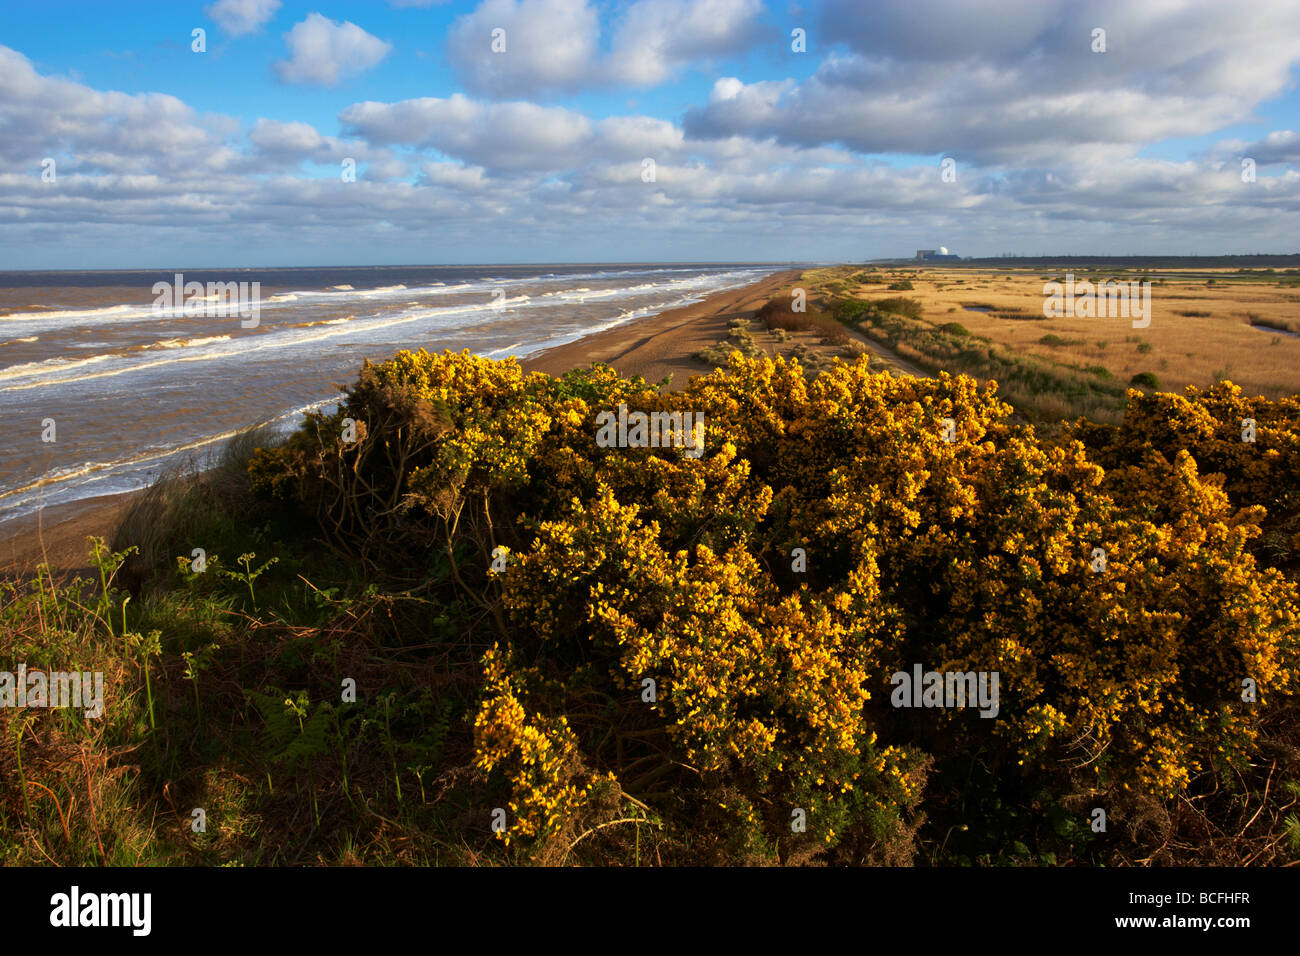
x=653, y=348
x=58, y=534
x=663, y=344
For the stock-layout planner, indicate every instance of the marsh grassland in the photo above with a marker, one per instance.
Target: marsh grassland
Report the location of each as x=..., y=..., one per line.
x=1205, y=326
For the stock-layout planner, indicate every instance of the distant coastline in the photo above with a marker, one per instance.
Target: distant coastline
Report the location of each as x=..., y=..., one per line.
x=134, y=381
x=654, y=347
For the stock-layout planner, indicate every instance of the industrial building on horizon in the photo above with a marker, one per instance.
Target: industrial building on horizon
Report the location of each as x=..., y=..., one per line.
x=934, y=255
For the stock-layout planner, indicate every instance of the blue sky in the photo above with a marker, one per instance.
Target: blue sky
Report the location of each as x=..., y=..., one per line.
x=233, y=156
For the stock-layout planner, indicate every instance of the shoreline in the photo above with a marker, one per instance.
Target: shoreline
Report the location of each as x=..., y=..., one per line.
x=58, y=533
x=662, y=344
x=653, y=347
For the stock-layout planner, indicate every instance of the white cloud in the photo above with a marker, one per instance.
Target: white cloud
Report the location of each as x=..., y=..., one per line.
x=780, y=171
x=517, y=136
x=1018, y=84
x=554, y=45
x=725, y=88
x=275, y=136
x=462, y=178
x=386, y=170
x=237, y=17
x=549, y=44
x=44, y=116
x=323, y=51
x=281, y=146
x=1280, y=146
x=657, y=37
x=636, y=137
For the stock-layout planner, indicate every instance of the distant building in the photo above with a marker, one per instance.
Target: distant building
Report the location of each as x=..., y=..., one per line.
x=934, y=255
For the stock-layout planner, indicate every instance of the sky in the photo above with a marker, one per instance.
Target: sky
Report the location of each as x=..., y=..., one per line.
x=245, y=133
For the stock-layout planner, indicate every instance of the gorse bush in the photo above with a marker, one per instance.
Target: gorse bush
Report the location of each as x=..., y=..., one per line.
x=711, y=641
x=1211, y=426
x=779, y=314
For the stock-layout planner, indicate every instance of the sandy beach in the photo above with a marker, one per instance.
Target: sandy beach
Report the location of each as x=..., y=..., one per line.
x=57, y=534
x=663, y=344
x=654, y=347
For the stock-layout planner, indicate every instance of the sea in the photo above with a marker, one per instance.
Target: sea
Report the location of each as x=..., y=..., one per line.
x=108, y=378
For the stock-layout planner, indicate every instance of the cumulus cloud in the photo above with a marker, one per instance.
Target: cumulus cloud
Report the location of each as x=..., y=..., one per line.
x=757, y=167
x=237, y=17
x=280, y=146
x=1018, y=83
x=655, y=38
x=549, y=44
x=386, y=169
x=277, y=137
x=555, y=45
x=471, y=179
x=324, y=51
x=1280, y=146
x=107, y=130
x=516, y=136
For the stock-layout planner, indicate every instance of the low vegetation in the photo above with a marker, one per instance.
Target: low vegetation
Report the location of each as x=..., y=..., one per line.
x=1054, y=369
x=1039, y=388
x=446, y=605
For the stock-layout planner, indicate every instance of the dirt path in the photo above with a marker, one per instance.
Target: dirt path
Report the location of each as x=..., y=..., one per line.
x=891, y=357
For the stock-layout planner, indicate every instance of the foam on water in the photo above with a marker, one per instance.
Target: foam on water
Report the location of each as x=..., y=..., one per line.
x=133, y=389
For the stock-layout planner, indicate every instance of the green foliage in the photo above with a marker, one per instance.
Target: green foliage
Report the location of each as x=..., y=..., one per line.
x=521, y=688
x=294, y=731
x=249, y=574
x=898, y=305
x=1055, y=341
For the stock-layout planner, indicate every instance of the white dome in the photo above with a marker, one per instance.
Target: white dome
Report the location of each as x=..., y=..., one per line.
x=943, y=250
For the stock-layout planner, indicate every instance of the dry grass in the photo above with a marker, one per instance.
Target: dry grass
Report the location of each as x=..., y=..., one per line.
x=1234, y=328
x=174, y=507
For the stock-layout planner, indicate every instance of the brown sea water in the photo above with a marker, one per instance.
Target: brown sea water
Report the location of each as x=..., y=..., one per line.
x=132, y=387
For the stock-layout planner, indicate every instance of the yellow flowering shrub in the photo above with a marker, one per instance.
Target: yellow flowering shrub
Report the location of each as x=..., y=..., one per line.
x=716, y=636
x=750, y=685
x=429, y=435
x=1209, y=425
x=538, y=754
